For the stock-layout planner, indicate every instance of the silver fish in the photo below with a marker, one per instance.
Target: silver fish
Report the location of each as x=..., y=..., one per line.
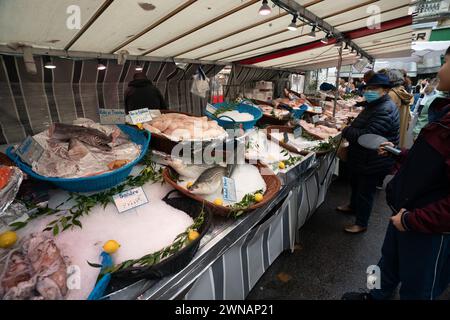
x=90, y=136
x=211, y=180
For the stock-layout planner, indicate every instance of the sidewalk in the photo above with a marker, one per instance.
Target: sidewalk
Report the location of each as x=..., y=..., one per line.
x=328, y=262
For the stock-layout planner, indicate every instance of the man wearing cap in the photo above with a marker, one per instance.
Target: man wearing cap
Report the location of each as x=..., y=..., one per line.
x=367, y=168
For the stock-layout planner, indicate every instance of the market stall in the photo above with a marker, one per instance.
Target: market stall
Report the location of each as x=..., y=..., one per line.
x=96, y=203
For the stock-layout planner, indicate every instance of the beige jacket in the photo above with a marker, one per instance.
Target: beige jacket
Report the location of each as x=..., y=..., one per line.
x=402, y=100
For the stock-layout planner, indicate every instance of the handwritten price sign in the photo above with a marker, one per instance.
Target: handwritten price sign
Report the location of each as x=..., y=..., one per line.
x=140, y=116
x=130, y=199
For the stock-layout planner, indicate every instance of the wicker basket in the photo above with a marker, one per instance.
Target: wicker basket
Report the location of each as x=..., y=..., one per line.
x=271, y=180
x=288, y=147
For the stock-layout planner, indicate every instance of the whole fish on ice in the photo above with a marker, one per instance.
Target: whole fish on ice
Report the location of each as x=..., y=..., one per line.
x=211, y=179
x=90, y=136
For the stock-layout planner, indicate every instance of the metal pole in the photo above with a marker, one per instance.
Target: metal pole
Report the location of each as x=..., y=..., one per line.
x=338, y=75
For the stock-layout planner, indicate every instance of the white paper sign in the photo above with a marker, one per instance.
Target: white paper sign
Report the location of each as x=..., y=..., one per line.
x=112, y=116
x=30, y=151
x=229, y=190
x=298, y=132
x=318, y=109
x=315, y=119
x=130, y=199
x=140, y=116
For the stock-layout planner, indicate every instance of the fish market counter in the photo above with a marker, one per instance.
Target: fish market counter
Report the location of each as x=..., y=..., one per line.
x=235, y=253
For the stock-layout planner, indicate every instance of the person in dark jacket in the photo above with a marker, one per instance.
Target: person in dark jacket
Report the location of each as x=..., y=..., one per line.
x=367, y=168
x=416, y=249
x=141, y=93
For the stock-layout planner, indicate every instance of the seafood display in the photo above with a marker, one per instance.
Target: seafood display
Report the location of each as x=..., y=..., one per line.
x=177, y=126
x=236, y=116
x=141, y=231
x=300, y=143
x=83, y=149
x=319, y=131
x=34, y=271
x=274, y=112
x=208, y=184
x=296, y=103
x=210, y=180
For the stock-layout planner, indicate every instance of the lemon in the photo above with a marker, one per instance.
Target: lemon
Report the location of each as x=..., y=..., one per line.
x=192, y=235
x=189, y=184
x=111, y=246
x=281, y=165
x=218, y=202
x=7, y=239
x=259, y=197
x=139, y=125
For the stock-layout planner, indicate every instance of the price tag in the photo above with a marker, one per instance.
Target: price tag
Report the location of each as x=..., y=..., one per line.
x=140, y=116
x=130, y=199
x=315, y=119
x=285, y=137
x=210, y=108
x=155, y=113
x=298, y=132
x=318, y=109
x=112, y=116
x=30, y=151
x=229, y=189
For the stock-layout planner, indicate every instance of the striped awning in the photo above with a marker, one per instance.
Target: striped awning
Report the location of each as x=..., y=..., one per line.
x=205, y=30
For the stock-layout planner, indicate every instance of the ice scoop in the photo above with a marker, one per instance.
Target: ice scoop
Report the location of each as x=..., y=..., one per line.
x=373, y=142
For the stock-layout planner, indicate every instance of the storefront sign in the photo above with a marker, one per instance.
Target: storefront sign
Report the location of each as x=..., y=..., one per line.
x=130, y=199
x=112, y=116
x=229, y=190
x=421, y=35
x=30, y=151
x=140, y=116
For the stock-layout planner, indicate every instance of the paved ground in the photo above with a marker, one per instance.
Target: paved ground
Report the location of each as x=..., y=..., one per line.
x=328, y=262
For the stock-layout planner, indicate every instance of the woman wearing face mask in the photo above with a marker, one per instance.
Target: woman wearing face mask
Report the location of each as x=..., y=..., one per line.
x=367, y=168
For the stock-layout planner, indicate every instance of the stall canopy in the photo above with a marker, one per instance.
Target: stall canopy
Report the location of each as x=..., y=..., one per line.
x=206, y=30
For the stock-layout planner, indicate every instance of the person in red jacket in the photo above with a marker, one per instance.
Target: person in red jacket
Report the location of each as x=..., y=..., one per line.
x=416, y=249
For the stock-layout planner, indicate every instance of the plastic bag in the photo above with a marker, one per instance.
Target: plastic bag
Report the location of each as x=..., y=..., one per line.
x=9, y=191
x=200, y=85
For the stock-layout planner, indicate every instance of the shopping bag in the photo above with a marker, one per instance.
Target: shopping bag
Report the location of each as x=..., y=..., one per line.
x=200, y=84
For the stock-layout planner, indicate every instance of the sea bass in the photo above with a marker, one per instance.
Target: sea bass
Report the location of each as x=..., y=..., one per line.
x=211, y=179
x=90, y=136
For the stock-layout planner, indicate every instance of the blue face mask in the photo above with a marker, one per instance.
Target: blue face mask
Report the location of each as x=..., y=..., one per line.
x=371, y=96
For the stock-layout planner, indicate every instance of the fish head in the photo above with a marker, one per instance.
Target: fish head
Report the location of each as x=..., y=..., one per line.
x=199, y=188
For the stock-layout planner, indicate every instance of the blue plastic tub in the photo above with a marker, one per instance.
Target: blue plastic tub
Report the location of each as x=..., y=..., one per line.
x=230, y=123
x=298, y=113
x=94, y=183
